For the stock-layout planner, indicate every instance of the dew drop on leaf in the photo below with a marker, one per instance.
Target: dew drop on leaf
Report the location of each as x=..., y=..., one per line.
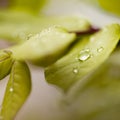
x=75, y=70
x=100, y=49
x=84, y=55
x=11, y=89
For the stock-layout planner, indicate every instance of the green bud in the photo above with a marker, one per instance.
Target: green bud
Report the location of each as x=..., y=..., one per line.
x=5, y=63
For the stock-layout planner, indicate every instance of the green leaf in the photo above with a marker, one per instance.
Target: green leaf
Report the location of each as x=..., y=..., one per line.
x=17, y=91
x=32, y=6
x=18, y=26
x=89, y=53
x=111, y=6
x=97, y=96
x=6, y=62
x=46, y=47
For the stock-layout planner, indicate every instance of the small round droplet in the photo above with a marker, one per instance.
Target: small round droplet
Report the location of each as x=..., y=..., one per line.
x=100, y=49
x=84, y=55
x=11, y=89
x=75, y=70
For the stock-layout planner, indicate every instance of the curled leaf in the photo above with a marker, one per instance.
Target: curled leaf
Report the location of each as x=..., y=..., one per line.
x=17, y=91
x=6, y=62
x=89, y=53
x=46, y=47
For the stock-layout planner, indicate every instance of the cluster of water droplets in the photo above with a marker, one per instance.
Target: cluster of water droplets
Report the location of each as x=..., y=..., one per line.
x=84, y=55
x=100, y=49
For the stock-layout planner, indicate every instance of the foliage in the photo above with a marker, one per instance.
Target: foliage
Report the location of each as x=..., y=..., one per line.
x=74, y=56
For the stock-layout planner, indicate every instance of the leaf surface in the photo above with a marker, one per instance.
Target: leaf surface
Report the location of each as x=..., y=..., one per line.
x=89, y=53
x=6, y=62
x=97, y=97
x=46, y=47
x=18, y=27
x=17, y=91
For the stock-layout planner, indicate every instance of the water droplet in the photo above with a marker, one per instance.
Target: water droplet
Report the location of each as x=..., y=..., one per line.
x=100, y=49
x=75, y=70
x=11, y=89
x=29, y=36
x=84, y=55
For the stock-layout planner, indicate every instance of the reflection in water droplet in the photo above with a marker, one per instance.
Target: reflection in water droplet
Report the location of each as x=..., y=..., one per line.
x=100, y=49
x=84, y=55
x=11, y=89
x=75, y=70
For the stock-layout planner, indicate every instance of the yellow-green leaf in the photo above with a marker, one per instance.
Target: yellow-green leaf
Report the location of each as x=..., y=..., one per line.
x=97, y=97
x=46, y=47
x=5, y=63
x=86, y=56
x=17, y=91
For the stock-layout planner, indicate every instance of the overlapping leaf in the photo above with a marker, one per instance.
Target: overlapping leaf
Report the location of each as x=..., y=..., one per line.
x=86, y=56
x=6, y=62
x=18, y=26
x=97, y=97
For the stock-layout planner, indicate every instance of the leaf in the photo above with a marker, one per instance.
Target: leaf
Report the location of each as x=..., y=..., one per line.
x=32, y=6
x=6, y=62
x=111, y=6
x=97, y=97
x=83, y=58
x=46, y=47
x=17, y=91
x=18, y=26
